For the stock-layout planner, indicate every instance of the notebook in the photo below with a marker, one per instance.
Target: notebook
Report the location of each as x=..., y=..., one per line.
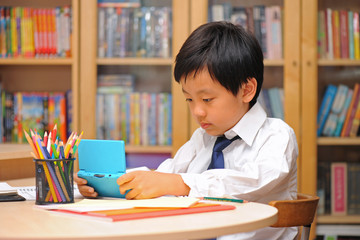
x=101, y=163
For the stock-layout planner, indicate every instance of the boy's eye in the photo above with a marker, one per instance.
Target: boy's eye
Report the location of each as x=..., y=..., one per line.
x=188, y=99
x=207, y=99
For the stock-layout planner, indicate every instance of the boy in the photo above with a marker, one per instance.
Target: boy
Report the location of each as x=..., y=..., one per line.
x=220, y=68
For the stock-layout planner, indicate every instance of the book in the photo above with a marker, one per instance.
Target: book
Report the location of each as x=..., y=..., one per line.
x=239, y=17
x=114, y=215
x=325, y=107
x=351, y=111
x=356, y=35
x=336, y=33
x=355, y=123
x=353, y=187
x=335, y=111
x=324, y=187
x=351, y=34
x=275, y=31
x=321, y=34
x=338, y=188
x=329, y=34
x=344, y=34
x=341, y=118
x=101, y=43
x=131, y=214
x=276, y=103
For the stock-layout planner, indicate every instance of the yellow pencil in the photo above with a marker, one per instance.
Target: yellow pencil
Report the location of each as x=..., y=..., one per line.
x=67, y=150
x=47, y=198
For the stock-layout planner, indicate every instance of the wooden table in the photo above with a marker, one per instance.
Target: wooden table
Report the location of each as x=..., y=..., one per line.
x=20, y=220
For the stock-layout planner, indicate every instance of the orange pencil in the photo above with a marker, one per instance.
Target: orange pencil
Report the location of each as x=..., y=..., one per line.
x=31, y=144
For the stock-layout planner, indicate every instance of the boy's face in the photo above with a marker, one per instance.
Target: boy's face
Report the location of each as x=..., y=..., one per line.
x=213, y=106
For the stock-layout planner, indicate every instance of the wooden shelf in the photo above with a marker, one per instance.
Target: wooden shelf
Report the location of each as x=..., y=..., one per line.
x=331, y=219
x=328, y=141
x=36, y=61
x=14, y=151
x=338, y=62
x=135, y=61
x=274, y=62
x=148, y=149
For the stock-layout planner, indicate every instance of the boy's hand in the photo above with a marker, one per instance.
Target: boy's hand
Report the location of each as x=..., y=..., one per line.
x=84, y=189
x=150, y=184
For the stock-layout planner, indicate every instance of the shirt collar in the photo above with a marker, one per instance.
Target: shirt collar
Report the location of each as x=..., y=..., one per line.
x=249, y=124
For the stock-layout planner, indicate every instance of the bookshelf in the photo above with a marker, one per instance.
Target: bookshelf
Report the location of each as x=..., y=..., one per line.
x=152, y=74
x=40, y=74
x=316, y=74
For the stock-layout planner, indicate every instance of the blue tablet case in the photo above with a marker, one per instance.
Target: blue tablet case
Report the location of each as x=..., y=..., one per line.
x=101, y=162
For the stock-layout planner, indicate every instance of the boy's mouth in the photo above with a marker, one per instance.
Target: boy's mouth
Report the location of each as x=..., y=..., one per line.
x=205, y=125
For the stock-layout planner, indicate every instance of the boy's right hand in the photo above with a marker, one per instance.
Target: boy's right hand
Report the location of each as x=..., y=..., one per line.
x=84, y=189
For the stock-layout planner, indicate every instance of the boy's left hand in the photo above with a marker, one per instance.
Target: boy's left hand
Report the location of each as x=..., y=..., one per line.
x=151, y=184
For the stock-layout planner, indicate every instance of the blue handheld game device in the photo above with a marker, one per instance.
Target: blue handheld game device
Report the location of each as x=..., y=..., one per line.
x=101, y=163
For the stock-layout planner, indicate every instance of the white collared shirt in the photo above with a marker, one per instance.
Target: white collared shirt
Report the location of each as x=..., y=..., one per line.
x=259, y=167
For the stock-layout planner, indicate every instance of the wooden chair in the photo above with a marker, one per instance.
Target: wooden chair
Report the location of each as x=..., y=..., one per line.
x=298, y=212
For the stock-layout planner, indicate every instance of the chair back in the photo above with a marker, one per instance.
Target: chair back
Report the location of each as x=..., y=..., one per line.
x=299, y=212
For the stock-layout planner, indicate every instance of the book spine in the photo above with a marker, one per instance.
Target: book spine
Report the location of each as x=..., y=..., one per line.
x=101, y=32
x=353, y=188
x=137, y=118
x=329, y=34
x=342, y=116
x=344, y=35
x=153, y=120
x=351, y=111
x=336, y=33
x=124, y=105
x=324, y=187
x=69, y=112
x=356, y=35
x=325, y=107
x=169, y=119
x=351, y=35
x=337, y=106
x=339, y=188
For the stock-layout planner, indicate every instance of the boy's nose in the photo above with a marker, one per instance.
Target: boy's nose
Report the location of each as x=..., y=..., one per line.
x=198, y=111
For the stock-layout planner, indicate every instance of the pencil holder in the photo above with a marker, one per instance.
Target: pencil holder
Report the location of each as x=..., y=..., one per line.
x=54, y=181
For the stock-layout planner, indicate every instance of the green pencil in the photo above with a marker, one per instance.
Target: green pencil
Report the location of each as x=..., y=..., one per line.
x=225, y=199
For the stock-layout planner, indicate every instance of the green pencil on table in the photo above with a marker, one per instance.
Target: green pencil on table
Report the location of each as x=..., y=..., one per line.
x=224, y=199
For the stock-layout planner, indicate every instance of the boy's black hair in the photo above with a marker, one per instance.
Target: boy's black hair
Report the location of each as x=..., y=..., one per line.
x=231, y=55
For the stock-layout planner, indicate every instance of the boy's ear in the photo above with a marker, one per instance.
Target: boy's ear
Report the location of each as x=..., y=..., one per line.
x=249, y=90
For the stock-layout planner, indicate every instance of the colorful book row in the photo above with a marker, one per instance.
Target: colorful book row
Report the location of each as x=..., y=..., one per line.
x=339, y=112
x=264, y=21
x=137, y=118
x=338, y=188
x=272, y=100
x=134, y=32
x=338, y=34
x=40, y=110
x=35, y=32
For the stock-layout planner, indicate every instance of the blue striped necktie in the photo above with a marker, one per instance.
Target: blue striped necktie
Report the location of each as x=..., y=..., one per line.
x=217, y=159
